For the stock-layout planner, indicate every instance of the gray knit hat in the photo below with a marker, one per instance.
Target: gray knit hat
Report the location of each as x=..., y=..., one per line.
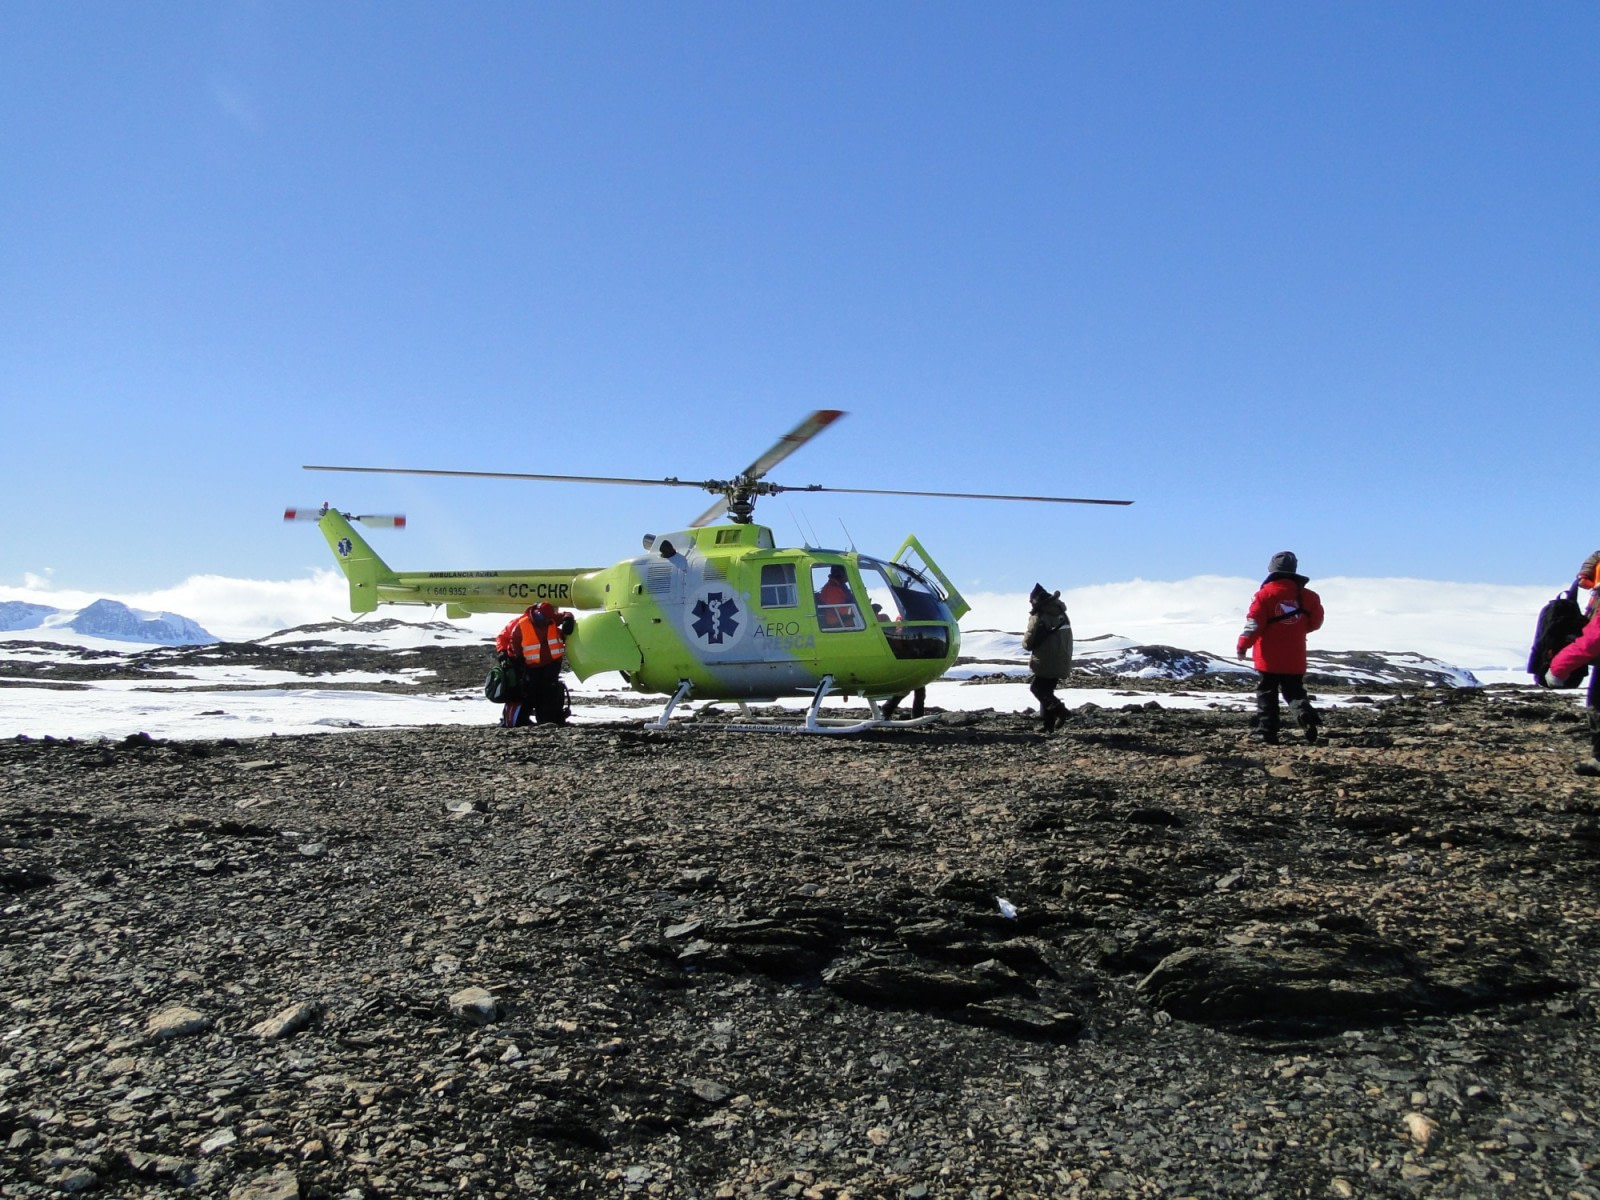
x=1283, y=561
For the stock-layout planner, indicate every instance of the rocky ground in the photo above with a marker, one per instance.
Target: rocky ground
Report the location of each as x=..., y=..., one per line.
x=1141, y=957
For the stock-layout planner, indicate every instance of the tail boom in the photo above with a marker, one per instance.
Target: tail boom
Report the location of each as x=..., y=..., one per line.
x=373, y=582
x=494, y=591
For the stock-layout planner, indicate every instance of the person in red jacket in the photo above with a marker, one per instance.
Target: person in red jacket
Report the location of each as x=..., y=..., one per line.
x=1585, y=652
x=1282, y=612
x=537, y=641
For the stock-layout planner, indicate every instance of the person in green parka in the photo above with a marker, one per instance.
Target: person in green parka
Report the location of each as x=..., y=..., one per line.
x=1049, y=643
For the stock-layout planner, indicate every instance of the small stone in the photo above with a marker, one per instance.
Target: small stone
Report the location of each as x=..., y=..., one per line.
x=220, y=1140
x=476, y=1005
x=176, y=1021
x=78, y=1180
x=281, y=1185
x=288, y=1022
x=1421, y=1130
x=709, y=1090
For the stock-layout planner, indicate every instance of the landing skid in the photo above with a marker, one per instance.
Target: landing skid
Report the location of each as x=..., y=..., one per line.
x=814, y=721
x=678, y=697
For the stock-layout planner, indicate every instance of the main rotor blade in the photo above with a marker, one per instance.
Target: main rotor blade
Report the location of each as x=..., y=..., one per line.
x=710, y=514
x=703, y=485
x=947, y=495
x=792, y=441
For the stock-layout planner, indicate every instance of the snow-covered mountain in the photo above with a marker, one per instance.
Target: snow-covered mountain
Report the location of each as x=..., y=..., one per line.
x=110, y=620
x=18, y=614
x=1114, y=657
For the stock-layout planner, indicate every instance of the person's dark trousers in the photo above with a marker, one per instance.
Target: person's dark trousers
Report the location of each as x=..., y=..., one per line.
x=549, y=699
x=1293, y=687
x=1052, y=710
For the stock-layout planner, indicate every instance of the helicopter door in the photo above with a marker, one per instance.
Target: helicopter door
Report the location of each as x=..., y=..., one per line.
x=908, y=609
x=912, y=556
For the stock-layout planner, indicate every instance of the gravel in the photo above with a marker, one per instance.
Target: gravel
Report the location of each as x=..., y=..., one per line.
x=604, y=961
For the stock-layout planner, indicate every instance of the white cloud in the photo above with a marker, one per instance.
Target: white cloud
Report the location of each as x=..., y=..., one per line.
x=1467, y=624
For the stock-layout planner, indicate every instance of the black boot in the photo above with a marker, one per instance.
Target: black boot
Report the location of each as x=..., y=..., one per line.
x=1264, y=728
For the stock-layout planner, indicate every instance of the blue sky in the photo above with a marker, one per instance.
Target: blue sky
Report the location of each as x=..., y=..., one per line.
x=1311, y=276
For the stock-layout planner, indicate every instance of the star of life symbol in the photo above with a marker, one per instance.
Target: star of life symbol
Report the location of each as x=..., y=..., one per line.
x=345, y=546
x=715, y=618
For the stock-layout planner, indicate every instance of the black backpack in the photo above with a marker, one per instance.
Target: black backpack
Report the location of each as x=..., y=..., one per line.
x=504, y=684
x=1560, y=623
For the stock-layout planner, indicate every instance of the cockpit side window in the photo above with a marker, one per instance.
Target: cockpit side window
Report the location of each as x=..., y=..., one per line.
x=778, y=586
x=836, y=603
x=881, y=592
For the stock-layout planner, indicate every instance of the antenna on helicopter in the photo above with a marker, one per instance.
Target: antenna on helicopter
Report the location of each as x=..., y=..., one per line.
x=737, y=495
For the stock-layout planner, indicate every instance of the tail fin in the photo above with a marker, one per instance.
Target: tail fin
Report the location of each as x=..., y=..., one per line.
x=359, y=561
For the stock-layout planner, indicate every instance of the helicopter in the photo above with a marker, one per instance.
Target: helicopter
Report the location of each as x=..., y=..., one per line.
x=717, y=611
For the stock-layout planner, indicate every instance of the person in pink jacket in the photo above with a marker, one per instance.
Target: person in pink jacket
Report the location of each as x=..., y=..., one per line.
x=1585, y=652
x=1281, y=613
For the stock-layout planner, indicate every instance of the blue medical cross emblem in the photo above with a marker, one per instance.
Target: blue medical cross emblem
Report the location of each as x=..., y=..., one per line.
x=715, y=618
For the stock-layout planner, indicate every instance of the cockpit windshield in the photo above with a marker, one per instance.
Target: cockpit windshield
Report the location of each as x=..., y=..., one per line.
x=903, y=600
x=898, y=593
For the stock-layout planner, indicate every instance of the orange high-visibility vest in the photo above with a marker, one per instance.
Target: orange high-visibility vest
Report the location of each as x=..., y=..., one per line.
x=532, y=651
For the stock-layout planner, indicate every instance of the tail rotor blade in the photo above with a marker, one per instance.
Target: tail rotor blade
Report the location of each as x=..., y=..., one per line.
x=371, y=520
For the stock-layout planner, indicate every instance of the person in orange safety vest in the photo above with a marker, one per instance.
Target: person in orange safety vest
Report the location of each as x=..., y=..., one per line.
x=836, y=606
x=538, y=639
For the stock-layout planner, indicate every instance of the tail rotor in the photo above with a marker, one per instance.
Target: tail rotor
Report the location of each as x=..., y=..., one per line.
x=370, y=520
